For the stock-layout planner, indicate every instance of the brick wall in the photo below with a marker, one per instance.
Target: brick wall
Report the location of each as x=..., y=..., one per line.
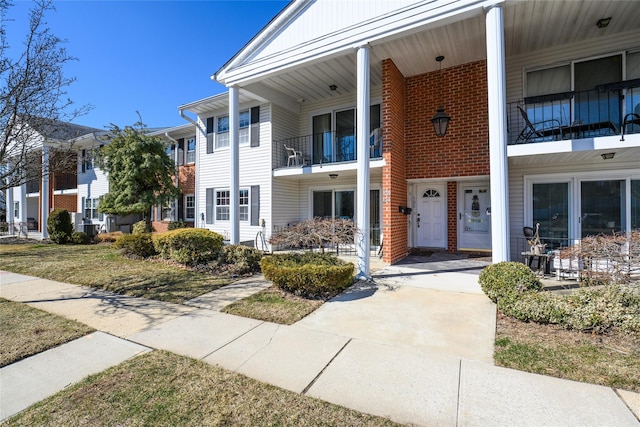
x=464, y=150
x=413, y=151
x=394, y=184
x=187, y=179
x=65, y=201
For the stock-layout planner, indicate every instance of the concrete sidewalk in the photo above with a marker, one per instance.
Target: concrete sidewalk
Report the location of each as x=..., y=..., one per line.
x=368, y=366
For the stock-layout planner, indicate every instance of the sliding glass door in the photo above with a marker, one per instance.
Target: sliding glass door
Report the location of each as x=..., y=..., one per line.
x=603, y=207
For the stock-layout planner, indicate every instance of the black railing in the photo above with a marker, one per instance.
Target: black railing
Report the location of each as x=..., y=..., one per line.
x=323, y=148
x=33, y=186
x=609, y=109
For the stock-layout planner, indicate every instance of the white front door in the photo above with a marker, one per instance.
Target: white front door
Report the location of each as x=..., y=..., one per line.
x=431, y=217
x=474, y=217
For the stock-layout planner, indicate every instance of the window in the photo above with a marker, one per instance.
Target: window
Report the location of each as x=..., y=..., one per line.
x=166, y=212
x=338, y=203
x=222, y=205
x=243, y=135
x=190, y=207
x=243, y=213
x=551, y=211
x=222, y=132
x=16, y=209
x=191, y=150
x=603, y=207
x=86, y=163
x=91, y=208
x=209, y=135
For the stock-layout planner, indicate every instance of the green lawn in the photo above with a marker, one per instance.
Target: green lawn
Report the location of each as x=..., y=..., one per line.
x=100, y=266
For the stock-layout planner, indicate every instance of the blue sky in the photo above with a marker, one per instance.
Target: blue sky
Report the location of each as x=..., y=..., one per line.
x=147, y=56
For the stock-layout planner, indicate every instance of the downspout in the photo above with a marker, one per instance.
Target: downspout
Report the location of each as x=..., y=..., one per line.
x=166, y=134
x=198, y=144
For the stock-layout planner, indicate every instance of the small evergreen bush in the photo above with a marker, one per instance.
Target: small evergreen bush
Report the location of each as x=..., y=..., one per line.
x=135, y=245
x=141, y=227
x=189, y=246
x=59, y=226
x=240, y=259
x=175, y=225
x=508, y=280
x=80, y=238
x=309, y=274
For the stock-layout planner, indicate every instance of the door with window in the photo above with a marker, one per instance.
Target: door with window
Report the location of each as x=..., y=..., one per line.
x=593, y=105
x=474, y=217
x=431, y=217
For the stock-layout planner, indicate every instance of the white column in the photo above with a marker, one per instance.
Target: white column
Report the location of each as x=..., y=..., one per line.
x=362, y=138
x=22, y=215
x=234, y=185
x=496, y=84
x=44, y=192
x=9, y=204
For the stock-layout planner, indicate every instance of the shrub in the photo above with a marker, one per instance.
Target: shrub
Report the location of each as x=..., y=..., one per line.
x=135, y=245
x=508, y=280
x=80, y=238
x=599, y=310
x=316, y=233
x=309, y=274
x=59, y=226
x=189, y=245
x=240, y=259
x=175, y=225
x=141, y=227
x=108, y=237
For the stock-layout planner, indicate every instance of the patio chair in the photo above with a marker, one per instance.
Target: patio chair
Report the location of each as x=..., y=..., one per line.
x=541, y=129
x=293, y=156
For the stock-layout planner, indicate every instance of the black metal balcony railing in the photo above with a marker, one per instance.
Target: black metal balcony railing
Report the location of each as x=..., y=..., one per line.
x=610, y=109
x=323, y=148
x=33, y=186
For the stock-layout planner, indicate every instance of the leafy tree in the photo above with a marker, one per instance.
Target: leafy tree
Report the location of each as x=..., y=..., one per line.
x=32, y=97
x=139, y=171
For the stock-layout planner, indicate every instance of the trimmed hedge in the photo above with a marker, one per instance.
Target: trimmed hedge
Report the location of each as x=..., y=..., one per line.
x=135, y=245
x=517, y=292
x=59, y=226
x=108, y=237
x=175, y=225
x=80, y=238
x=140, y=227
x=240, y=259
x=189, y=246
x=508, y=280
x=309, y=274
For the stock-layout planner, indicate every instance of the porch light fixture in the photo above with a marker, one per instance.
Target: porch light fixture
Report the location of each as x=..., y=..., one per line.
x=441, y=119
x=333, y=87
x=607, y=156
x=333, y=175
x=602, y=23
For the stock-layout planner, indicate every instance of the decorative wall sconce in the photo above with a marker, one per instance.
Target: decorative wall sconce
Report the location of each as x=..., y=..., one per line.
x=441, y=119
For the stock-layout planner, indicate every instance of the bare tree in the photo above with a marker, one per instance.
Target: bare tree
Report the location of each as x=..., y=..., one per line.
x=33, y=99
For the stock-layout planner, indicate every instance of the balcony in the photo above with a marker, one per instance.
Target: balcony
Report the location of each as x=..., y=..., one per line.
x=323, y=148
x=610, y=109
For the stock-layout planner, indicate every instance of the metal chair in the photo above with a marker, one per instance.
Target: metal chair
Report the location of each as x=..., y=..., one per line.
x=539, y=129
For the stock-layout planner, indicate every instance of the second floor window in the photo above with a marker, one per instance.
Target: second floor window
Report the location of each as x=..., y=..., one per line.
x=243, y=135
x=191, y=150
x=222, y=132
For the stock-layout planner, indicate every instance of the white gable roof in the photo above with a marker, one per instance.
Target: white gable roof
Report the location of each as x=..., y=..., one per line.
x=309, y=30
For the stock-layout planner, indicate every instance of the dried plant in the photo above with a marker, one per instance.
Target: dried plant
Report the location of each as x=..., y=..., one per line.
x=316, y=233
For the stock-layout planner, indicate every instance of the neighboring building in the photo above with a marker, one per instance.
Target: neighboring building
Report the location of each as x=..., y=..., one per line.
x=79, y=187
x=55, y=182
x=473, y=189
x=182, y=149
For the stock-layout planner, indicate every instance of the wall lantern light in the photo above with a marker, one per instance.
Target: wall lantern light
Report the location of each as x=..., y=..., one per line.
x=441, y=119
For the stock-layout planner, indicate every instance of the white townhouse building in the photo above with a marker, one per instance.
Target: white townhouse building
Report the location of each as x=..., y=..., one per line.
x=541, y=100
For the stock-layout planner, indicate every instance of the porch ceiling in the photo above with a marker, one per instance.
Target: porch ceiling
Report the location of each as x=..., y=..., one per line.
x=629, y=154
x=529, y=26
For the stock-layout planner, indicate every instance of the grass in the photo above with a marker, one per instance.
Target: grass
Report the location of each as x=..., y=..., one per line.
x=164, y=389
x=100, y=266
x=25, y=331
x=609, y=360
x=273, y=305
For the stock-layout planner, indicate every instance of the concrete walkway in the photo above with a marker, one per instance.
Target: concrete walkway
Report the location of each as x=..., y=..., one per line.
x=414, y=347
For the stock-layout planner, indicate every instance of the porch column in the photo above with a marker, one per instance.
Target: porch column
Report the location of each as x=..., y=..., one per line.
x=9, y=205
x=362, y=138
x=496, y=85
x=44, y=192
x=234, y=182
x=22, y=214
